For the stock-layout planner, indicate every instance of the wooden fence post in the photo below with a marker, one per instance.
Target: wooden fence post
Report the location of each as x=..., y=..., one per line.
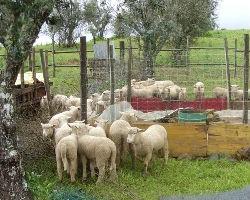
x=187, y=56
x=246, y=79
x=46, y=59
x=84, y=78
x=228, y=73
x=30, y=61
x=122, y=51
x=129, y=71
x=53, y=55
x=34, y=65
x=235, y=58
x=22, y=75
x=46, y=80
x=112, y=76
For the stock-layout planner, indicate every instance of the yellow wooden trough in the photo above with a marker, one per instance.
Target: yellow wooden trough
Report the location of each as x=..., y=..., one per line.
x=200, y=139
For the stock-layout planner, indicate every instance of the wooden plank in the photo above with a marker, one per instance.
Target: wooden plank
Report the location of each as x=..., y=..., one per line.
x=235, y=58
x=227, y=138
x=183, y=138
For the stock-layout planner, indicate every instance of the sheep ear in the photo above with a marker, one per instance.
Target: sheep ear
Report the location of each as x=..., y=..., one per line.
x=53, y=125
x=140, y=130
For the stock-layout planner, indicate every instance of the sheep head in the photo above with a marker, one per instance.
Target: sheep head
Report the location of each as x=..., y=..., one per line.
x=132, y=133
x=48, y=130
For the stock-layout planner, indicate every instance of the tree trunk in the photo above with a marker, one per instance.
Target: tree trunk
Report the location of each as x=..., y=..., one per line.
x=70, y=40
x=148, y=55
x=12, y=183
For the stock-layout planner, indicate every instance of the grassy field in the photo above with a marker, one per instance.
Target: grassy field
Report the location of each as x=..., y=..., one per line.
x=177, y=177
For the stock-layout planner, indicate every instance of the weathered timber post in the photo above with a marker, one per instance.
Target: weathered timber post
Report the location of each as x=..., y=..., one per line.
x=46, y=80
x=129, y=71
x=187, y=57
x=84, y=78
x=246, y=79
x=229, y=98
x=112, y=76
x=34, y=65
x=46, y=59
x=53, y=55
x=22, y=76
x=122, y=51
x=30, y=61
x=235, y=58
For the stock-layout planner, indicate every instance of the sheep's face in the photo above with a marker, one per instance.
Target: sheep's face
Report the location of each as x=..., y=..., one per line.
x=95, y=96
x=48, y=130
x=79, y=128
x=129, y=116
x=234, y=88
x=132, y=133
x=106, y=95
x=102, y=123
x=117, y=93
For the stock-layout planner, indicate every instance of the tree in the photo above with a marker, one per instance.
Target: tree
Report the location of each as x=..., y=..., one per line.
x=67, y=17
x=195, y=18
x=97, y=16
x=20, y=23
x=154, y=21
x=161, y=21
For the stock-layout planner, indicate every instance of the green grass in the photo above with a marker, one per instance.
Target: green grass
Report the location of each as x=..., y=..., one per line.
x=177, y=177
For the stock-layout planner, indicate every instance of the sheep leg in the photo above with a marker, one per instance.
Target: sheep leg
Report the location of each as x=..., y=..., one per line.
x=72, y=168
x=101, y=175
x=84, y=168
x=92, y=169
x=59, y=168
x=146, y=162
x=132, y=153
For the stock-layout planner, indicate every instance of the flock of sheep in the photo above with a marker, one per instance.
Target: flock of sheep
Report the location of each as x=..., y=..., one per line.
x=103, y=146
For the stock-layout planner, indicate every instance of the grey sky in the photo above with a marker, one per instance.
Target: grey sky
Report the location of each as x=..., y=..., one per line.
x=232, y=14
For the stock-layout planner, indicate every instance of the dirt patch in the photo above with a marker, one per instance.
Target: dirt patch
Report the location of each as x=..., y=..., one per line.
x=29, y=130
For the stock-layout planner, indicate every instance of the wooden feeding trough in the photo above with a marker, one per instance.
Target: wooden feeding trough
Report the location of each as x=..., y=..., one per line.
x=28, y=91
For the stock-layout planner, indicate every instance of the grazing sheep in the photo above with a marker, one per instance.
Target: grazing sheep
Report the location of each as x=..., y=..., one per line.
x=163, y=84
x=100, y=150
x=66, y=155
x=154, y=139
x=73, y=101
x=199, y=90
x=220, y=92
x=183, y=94
x=148, y=82
x=59, y=120
x=118, y=133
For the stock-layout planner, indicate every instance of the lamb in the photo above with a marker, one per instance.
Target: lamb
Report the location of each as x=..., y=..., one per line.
x=118, y=134
x=100, y=107
x=59, y=102
x=183, y=94
x=58, y=133
x=199, y=90
x=171, y=92
x=100, y=150
x=148, y=82
x=143, y=92
x=220, y=92
x=66, y=154
x=153, y=139
x=95, y=98
x=44, y=102
x=98, y=131
x=237, y=94
x=163, y=84
x=105, y=96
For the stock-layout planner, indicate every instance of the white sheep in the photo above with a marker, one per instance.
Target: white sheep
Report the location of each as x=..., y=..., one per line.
x=66, y=155
x=59, y=102
x=199, y=90
x=118, y=133
x=105, y=96
x=49, y=131
x=171, y=92
x=220, y=92
x=183, y=94
x=154, y=139
x=163, y=84
x=95, y=97
x=101, y=150
x=148, y=82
